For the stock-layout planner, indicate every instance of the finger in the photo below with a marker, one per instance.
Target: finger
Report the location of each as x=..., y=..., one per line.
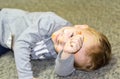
x=75, y=44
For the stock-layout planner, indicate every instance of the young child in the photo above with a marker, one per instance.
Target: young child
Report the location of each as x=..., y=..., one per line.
x=82, y=48
x=45, y=35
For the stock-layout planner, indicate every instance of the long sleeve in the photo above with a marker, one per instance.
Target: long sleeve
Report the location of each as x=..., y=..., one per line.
x=41, y=29
x=64, y=67
x=22, y=50
x=23, y=45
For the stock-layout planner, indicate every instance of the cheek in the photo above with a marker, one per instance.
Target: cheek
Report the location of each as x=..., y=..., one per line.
x=58, y=48
x=53, y=36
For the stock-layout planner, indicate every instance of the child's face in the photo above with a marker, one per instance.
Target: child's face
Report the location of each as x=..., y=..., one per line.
x=61, y=36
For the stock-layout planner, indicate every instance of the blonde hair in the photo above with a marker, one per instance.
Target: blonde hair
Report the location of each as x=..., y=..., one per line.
x=99, y=54
x=102, y=54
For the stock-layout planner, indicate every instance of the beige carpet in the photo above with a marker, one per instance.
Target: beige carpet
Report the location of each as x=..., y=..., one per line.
x=103, y=15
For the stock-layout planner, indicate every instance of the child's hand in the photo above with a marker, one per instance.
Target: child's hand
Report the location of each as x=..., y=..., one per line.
x=73, y=45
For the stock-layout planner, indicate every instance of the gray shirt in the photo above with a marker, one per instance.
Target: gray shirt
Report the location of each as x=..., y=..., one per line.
x=29, y=30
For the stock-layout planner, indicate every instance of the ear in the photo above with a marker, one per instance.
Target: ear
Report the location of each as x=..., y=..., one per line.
x=81, y=26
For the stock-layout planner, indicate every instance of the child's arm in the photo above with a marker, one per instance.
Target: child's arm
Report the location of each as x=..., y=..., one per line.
x=22, y=51
x=22, y=47
x=64, y=64
x=65, y=59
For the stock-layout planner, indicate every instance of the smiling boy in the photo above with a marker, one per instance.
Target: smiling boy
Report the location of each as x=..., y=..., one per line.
x=87, y=49
x=45, y=35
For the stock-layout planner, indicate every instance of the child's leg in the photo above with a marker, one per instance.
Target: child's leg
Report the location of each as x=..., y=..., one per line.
x=3, y=50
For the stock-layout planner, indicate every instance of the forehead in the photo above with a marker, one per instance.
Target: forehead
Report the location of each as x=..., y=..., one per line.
x=91, y=37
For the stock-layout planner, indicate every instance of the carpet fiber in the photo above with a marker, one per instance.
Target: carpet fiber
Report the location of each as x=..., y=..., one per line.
x=103, y=15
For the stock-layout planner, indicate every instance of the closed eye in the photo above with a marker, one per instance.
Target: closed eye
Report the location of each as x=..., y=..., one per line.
x=72, y=35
